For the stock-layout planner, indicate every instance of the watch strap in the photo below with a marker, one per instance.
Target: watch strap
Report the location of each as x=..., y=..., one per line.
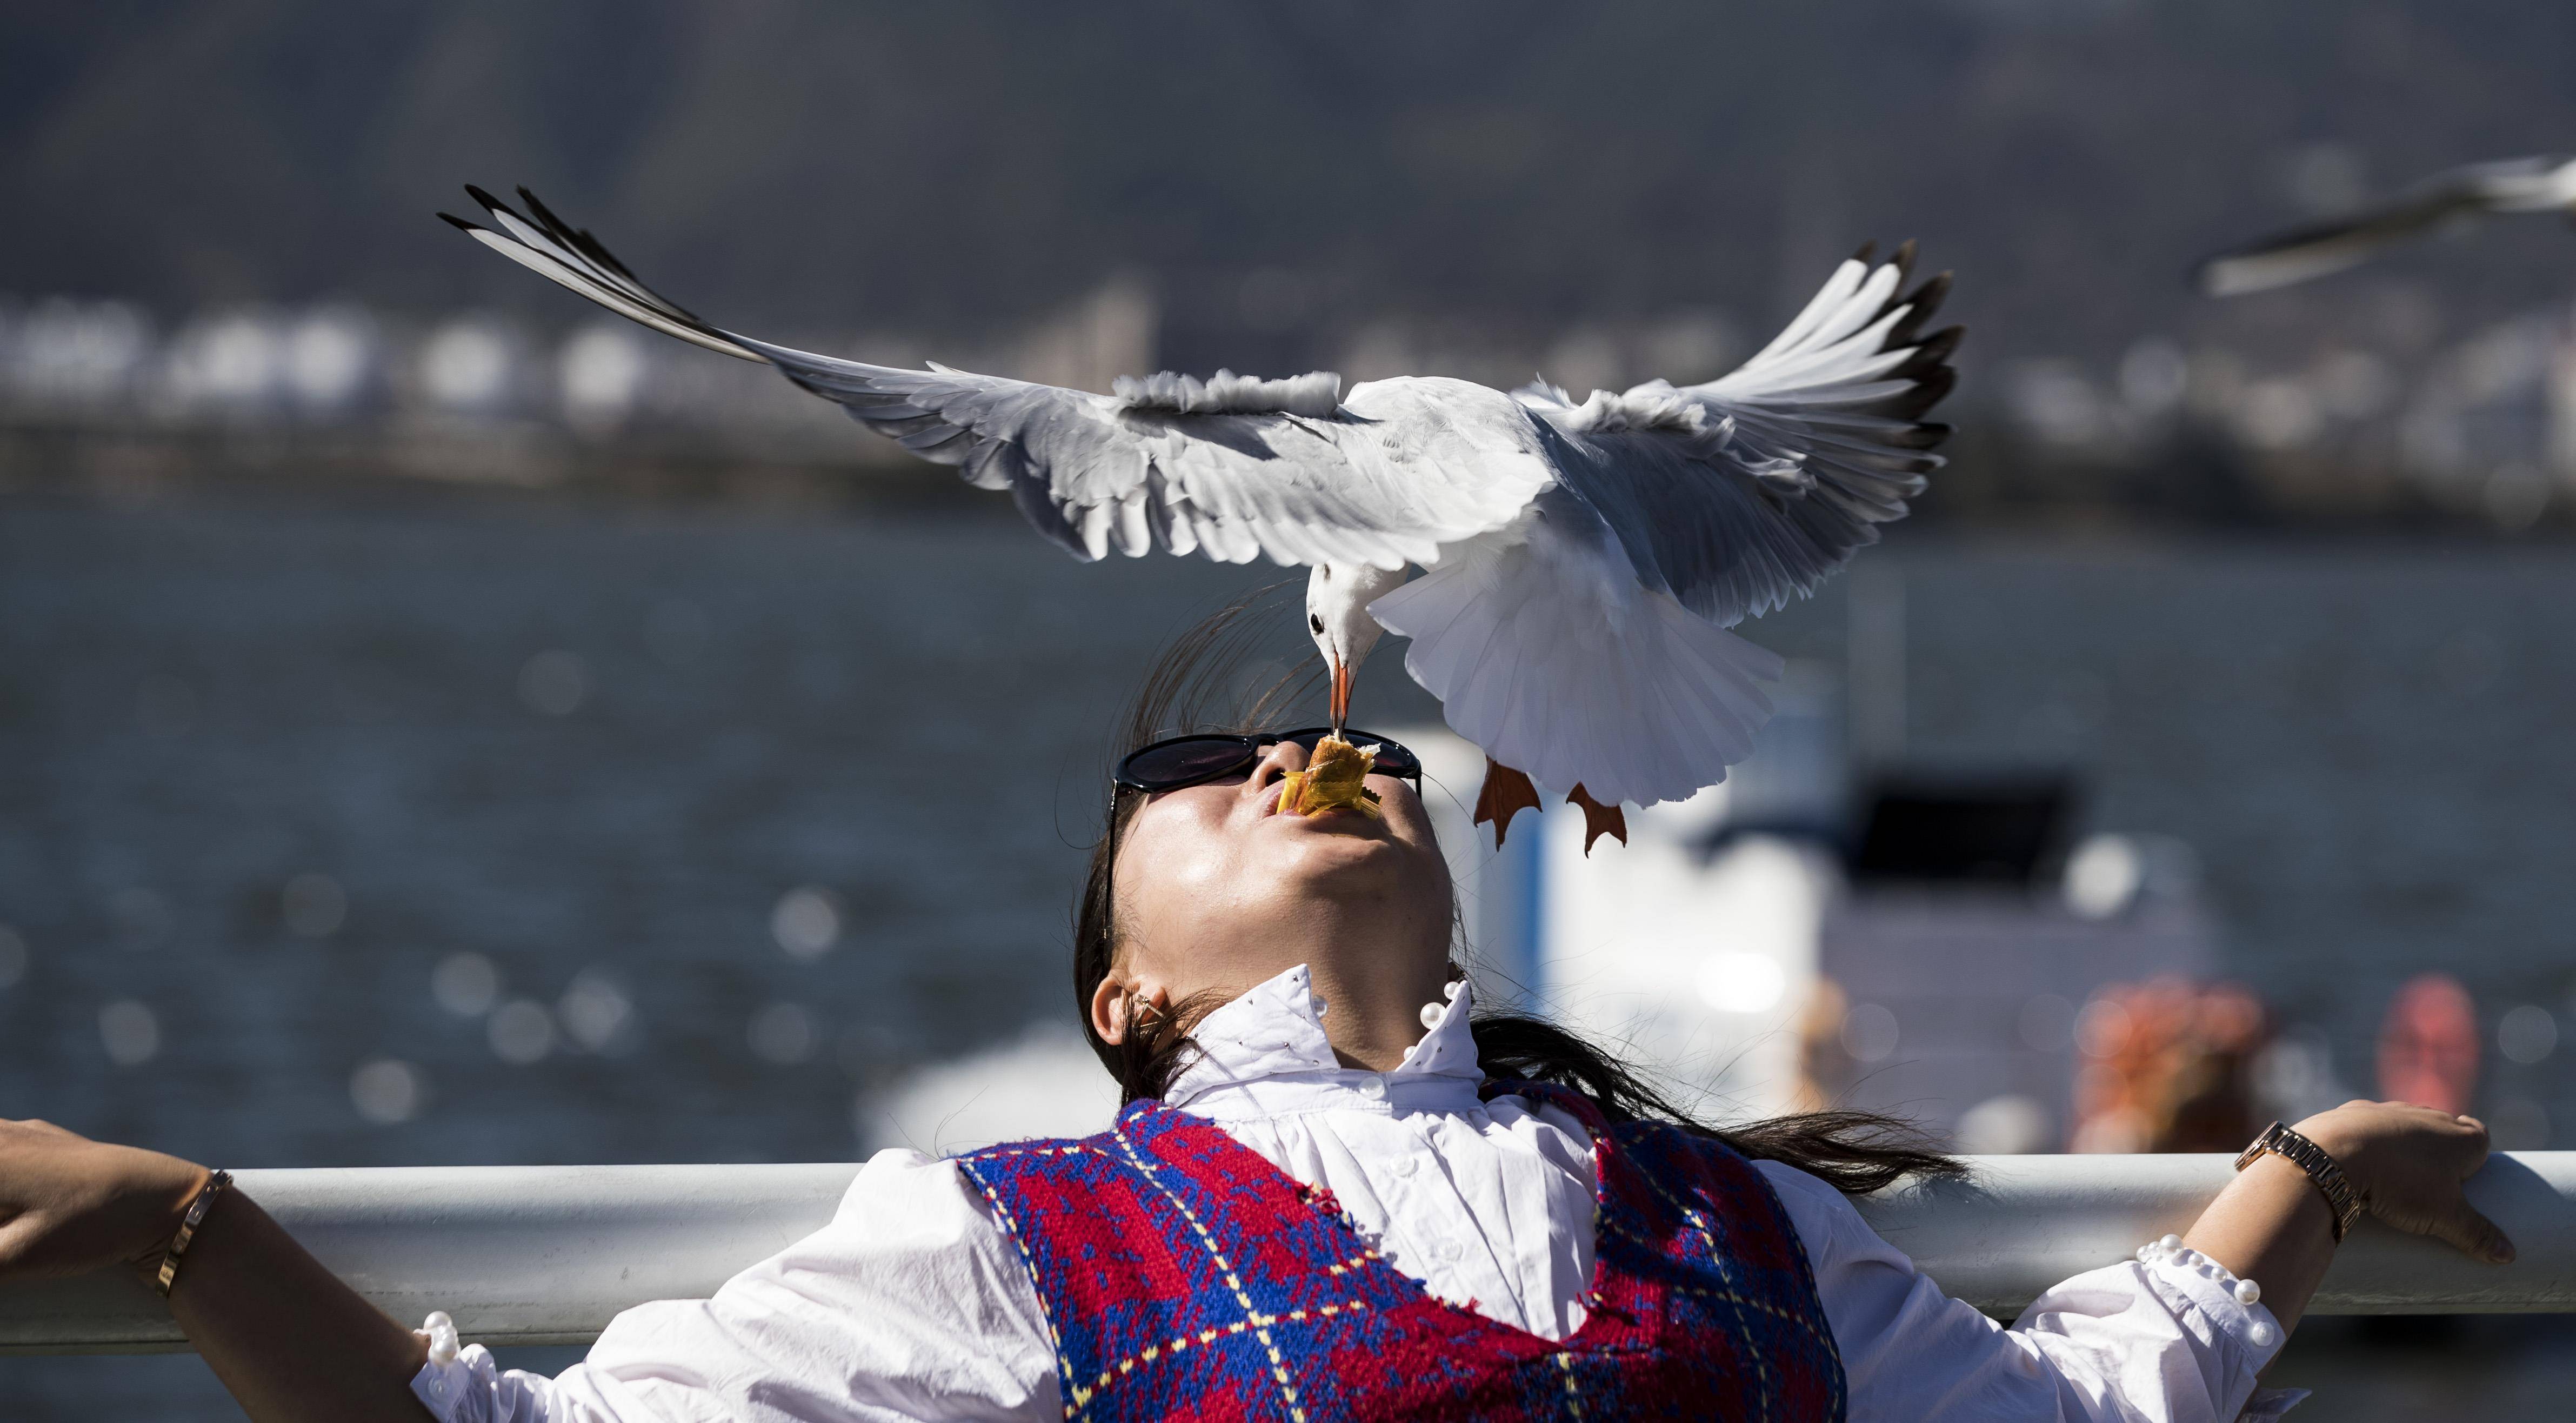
x=2345, y=1202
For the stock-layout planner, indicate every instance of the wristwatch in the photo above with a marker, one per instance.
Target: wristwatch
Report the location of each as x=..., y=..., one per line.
x=2341, y=1198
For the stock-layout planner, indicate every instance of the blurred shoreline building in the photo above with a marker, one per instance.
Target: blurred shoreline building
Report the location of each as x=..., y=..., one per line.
x=2388, y=420
x=475, y=396
x=2338, y=428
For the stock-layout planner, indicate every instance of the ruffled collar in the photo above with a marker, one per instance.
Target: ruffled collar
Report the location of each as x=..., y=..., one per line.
x=1265, y=1054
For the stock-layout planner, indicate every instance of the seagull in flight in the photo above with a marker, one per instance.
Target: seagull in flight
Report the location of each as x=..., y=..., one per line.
x=1584, y=561
x=2445, y=202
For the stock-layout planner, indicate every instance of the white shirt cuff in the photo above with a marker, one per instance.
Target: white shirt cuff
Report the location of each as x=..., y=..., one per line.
x=2248, y=1335
x=465, y=1385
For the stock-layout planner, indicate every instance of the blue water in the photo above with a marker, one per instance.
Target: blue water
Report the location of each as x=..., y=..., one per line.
x=202, y=701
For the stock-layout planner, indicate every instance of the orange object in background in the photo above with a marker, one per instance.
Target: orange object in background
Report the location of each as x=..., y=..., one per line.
x=2428, y=1045
x=1825, y=1066
x=2167, y=1066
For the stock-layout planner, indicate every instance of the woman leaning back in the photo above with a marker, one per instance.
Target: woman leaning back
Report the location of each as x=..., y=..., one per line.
x=1338, y=1190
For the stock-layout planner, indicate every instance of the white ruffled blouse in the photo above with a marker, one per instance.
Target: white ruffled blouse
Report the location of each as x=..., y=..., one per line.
x=912, y=1304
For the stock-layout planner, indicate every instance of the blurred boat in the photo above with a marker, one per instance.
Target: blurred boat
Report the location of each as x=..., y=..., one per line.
x=1802, y=936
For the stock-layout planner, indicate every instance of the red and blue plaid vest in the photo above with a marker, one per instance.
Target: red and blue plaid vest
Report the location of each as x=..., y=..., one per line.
x=1184, y=1276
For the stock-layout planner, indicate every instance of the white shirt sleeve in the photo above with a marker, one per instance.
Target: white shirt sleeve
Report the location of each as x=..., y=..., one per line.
x=2156, y=1341
x=911, y=1305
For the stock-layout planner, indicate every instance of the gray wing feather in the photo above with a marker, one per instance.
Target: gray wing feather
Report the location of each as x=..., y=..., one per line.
x=1740, y=493
x=1230, y=468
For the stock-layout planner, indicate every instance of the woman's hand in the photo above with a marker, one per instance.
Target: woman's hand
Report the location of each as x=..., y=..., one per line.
x=2408, y=1162
x=2272, y=1225
x=69, y=1205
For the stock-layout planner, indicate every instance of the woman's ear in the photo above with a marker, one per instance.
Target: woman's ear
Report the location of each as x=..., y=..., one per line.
x=1109, y=1010
x=1115, y=1001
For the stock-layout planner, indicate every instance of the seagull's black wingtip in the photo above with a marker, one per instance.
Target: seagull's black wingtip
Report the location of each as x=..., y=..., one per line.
x=545, y=218
x=458, y=223
x=491, y=204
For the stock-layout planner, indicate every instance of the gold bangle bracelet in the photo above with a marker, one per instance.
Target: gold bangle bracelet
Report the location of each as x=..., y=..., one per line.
x=188, y=1223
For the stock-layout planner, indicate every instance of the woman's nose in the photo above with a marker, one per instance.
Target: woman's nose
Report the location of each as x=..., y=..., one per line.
x=1279, y=760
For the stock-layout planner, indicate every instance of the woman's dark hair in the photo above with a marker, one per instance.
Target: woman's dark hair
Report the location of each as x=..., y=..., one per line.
x=1855, y=1152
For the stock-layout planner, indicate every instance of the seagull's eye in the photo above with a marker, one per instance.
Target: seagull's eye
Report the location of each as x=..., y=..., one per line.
x=1316, y=621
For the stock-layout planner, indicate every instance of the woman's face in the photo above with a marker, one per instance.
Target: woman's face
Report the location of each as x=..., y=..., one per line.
x=1217, y=890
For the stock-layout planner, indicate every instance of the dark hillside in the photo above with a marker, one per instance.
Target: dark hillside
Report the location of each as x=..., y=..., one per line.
x=1285, y=174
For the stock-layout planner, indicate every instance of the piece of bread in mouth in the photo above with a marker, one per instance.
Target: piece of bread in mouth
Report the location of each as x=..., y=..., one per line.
x=1334, y=779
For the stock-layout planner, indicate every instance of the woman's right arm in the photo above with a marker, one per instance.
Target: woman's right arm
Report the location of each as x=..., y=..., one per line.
x=911, y=1305
x=292, y=1343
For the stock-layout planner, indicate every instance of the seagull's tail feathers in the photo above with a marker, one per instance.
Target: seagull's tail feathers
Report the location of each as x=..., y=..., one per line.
x=1539, y=656
x=559, y=252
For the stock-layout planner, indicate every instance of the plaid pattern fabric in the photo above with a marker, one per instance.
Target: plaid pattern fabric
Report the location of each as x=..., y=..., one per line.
x=1184, y=1276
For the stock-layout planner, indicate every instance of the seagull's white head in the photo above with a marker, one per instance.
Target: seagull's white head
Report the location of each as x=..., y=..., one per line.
x=1337, y=617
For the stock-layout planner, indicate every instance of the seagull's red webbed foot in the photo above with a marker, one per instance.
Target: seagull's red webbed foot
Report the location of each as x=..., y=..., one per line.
x=1506, y=793
x=1598, y=819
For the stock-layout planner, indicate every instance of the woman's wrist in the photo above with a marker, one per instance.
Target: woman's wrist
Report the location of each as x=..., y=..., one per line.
x=2305, y=1211
x=163, y=1197
x=2342, y=1133
x=2331, y=1131
x=2319, y=1166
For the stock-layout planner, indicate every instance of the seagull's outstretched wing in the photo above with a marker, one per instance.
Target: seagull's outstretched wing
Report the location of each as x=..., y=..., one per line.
x=2442, y=201
x=1231, y=467
x=1735, y=495
x=1724, y=500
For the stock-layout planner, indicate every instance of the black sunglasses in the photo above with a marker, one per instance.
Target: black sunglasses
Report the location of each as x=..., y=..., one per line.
x=1175, y=762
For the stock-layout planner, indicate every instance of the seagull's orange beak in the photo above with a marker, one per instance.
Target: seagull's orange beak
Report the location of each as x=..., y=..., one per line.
x=1341, y=695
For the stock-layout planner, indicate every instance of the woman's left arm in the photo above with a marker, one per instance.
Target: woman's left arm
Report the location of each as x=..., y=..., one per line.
x=2164, y=1337
x=2142, y=1341
x=287, y=1337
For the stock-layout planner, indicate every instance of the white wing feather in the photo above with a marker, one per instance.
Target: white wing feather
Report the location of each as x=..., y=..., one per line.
x=1230, y=468
x=1738, y=494
x=1587, y=644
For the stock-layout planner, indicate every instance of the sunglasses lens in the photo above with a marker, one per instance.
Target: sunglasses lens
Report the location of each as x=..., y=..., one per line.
x=1184, y=762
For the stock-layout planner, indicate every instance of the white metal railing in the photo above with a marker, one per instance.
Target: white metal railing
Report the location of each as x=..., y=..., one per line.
x=548, y=1254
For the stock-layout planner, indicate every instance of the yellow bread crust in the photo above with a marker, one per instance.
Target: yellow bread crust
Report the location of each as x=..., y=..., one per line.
x=1332, y=780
